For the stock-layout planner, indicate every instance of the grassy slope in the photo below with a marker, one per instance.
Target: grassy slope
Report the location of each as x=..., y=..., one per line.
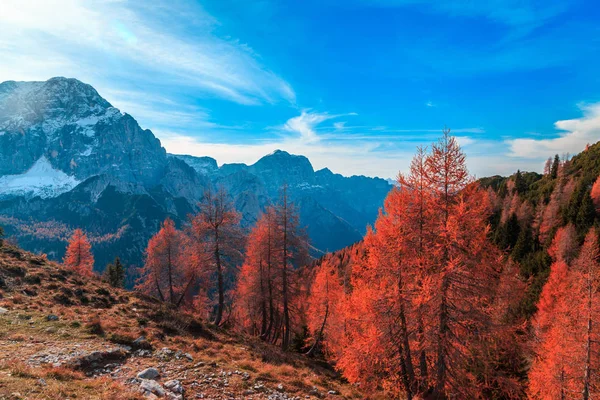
x=36, y=354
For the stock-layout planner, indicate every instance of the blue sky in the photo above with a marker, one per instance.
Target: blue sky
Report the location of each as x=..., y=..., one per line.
x=355, y=85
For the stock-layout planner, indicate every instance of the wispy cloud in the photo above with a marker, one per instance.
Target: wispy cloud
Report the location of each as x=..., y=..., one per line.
x=110, y=40
x=573, y=136
x=346, y=149
x=307, y=121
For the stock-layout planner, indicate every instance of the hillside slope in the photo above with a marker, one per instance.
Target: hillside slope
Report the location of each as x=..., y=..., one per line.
x=65, y=336
x=529, y=208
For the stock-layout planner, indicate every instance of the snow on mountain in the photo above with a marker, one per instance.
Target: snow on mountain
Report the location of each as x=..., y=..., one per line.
x=48, y=106
x=41, y=180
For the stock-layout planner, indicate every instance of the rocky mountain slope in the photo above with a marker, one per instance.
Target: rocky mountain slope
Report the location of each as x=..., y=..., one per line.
x=69, y=159
x=335, y=209
x=67, y=336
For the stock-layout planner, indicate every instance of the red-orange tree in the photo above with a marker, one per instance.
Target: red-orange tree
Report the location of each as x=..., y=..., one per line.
x=586, y=271
x=325, y=304
x=167, y=272
x=460, y=281
x=595, y=194
x=254, y=293
x=291, y=245
x=565, y=333
x=78, y=256
x=218, y=241
x=424, y=304
x=267, y=293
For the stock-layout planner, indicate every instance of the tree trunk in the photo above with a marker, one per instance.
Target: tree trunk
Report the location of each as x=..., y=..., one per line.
x=169, y=266
x=185, y=291
x=286, y=312
x=162, y=298
x=220, y=282
x=315, y=345
x=588, y=348
x=422, y=357
x=410, y=371
x=442, y=338
x=263, y=302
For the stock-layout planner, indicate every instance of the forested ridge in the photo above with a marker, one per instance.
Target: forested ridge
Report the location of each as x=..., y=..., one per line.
x=462, y=288
x=490, y=292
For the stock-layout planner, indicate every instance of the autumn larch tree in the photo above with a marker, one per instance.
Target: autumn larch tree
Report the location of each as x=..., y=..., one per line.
x=563, y=328
x=255, y=304
x=595, y=194
x=78, y=256
x=267, y=292
x=586, y=276
x=564, y=244
x=422, y=306
x=217, y=227
x=324, y=302
x=167, y=272
x=292, y=250
x=550, y=216
x=461, y=279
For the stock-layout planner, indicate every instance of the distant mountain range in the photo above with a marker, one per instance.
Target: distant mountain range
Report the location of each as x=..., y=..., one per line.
x=69, y=159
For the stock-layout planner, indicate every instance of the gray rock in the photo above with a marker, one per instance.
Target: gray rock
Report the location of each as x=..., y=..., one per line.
x=52, y=317
x=174, y=386
x=148, y=373
x=152, y=387
x=3, y=310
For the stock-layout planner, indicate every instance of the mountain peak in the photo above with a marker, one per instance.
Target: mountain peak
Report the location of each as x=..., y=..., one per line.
x=283, y=158
x=79, y=131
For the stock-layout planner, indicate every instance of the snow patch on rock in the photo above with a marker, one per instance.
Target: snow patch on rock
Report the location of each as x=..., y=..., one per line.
x=42, y=179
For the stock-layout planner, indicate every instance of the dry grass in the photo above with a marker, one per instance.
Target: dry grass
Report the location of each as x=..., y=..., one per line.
x=92, y=315
x=20, y=381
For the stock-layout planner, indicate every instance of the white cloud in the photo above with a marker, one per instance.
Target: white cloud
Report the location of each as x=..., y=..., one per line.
x=349, y=153
x=307, y=121
x=339, y=126
x=349, y=158
x=574, y=135
x=99, y=41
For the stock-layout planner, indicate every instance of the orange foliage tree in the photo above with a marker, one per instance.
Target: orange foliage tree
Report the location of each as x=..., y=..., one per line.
x=78, y=256
x=255, y=291
x=167, y=272
x=292, y=251
x=595, y=194
x=423, y=306
x=218, y=240
x=550, y=214
x=324, y=305
x=564, y=244
x=586, y=271
x=268, y=290
x=565, y=332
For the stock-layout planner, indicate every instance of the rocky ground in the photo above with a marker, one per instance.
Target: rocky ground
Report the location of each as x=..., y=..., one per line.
x=63, y=336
